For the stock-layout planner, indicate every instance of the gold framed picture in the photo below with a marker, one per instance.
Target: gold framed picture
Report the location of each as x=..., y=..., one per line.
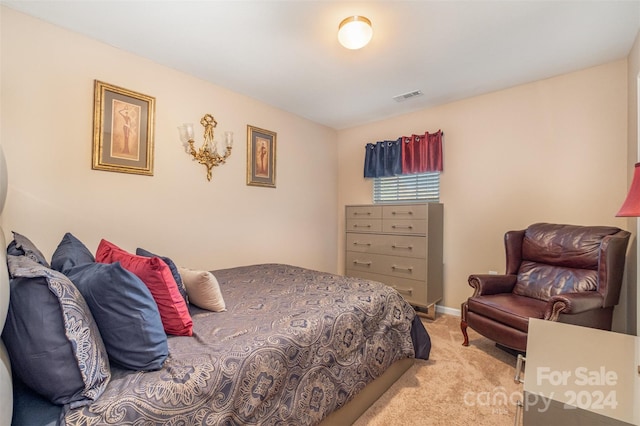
x=261, y=157
x=123, y=123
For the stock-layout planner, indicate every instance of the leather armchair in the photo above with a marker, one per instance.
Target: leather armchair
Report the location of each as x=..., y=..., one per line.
x=566, y=273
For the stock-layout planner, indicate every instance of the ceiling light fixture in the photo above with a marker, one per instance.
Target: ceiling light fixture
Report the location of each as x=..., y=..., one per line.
x=355, y=32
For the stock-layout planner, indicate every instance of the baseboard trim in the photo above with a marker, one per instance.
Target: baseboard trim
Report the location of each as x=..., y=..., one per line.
x=447, y=310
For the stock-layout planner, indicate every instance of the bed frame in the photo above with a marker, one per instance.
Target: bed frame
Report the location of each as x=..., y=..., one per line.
x=344, y=416
x=348, y=414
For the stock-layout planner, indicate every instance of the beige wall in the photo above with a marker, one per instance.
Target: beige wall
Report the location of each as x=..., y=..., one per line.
x=551, y=151
x=46, y=132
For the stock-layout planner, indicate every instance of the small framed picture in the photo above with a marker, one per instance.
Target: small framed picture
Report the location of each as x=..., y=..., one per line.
x=123, y=123
x=261, y=157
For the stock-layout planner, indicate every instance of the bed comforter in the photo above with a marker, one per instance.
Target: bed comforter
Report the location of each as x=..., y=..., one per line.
x=293, y=346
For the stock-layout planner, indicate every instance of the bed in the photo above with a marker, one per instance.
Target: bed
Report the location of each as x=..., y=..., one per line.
x=292, y=346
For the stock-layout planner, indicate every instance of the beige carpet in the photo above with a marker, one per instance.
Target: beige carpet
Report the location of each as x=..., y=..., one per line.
x=457, y=386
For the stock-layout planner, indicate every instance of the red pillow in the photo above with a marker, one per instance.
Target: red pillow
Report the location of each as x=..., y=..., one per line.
x=157, y=277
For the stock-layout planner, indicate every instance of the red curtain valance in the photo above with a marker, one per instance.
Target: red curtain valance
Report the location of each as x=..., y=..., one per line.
x=422, y=153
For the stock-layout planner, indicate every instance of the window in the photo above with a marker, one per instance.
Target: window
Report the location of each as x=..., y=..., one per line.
x=408, y=188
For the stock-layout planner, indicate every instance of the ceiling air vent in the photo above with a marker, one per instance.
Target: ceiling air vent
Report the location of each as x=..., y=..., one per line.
x=405, y=96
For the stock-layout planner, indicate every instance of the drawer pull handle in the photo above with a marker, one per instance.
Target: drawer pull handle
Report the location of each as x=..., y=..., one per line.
x=362, y=213
x=398, y=268
x=402, y=226
x=358, y=262
x=517, y=379
x=395, y=212
x=395, y=246
x=358, y=243
x=361, y=226
x=408, y=291
x=519, y=406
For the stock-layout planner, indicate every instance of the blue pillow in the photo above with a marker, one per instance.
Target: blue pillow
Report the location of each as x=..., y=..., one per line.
x=126, y=314
x=52, y=339
x=22, y=246
x=174, y=271
x=69, y=253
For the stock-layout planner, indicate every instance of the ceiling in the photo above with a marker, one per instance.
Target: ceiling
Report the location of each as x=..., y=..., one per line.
x=286, y=53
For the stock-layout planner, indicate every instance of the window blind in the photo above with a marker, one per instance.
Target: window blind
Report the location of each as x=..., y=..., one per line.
x=407, y=188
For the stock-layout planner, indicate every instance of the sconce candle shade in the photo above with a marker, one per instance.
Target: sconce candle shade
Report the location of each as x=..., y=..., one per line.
x=631, y=206
x=355, y=32
x=186, y=132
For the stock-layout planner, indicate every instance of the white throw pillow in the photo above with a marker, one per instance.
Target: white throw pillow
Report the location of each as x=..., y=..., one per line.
x=203, y=289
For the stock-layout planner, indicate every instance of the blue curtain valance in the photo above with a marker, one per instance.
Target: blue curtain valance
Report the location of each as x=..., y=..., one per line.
x=383, y=159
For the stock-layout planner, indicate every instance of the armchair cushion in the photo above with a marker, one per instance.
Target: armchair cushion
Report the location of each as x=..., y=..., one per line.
x=544, y=281
x=508, y=308
x=569, y=246
x=559, y=259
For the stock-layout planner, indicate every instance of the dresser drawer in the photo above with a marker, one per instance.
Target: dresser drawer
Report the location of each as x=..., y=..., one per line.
x=405, y=211
x=396, y=245
x=363, y=212
x=405, y=226
x=414, y=292
x=364, y=225
x=396, y=266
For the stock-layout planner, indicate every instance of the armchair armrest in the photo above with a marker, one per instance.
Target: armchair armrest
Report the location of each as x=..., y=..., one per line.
x=572, y=303
x=484, y=284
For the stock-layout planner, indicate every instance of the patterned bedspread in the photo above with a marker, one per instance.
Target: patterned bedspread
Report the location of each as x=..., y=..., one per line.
x=293, y=346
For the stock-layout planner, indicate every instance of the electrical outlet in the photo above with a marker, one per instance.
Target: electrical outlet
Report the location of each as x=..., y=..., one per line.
x=493, y=272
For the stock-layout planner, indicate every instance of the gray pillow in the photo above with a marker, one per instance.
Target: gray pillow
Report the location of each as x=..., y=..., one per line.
x=22, y=246
x=52, y=339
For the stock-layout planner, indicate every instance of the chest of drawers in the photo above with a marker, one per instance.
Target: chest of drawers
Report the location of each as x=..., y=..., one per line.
x=399, y=245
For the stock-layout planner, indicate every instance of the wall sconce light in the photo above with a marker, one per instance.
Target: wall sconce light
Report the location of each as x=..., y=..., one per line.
x=208, y=152
x=355, y=32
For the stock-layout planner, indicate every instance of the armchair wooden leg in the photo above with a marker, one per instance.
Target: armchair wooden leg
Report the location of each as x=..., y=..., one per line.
x=463, y=327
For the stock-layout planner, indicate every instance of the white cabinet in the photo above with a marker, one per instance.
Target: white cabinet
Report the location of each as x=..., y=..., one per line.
x=577, y=376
